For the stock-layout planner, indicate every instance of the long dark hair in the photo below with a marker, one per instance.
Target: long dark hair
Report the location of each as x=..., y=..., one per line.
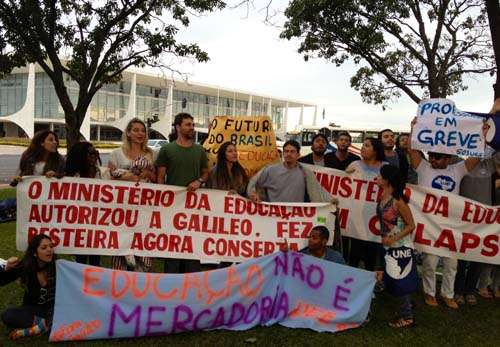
x=35, y=152
x=394, y=178
x=378, y=148
x=224, y=180
x=76, y=160
x=30, y=262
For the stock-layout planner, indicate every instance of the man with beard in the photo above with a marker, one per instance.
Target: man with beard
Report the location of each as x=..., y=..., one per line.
x=184, y=163
x=341, y=159
x=317, y=156
x=398, y=159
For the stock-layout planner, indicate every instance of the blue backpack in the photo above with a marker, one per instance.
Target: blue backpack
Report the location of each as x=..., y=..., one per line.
x=7, y=210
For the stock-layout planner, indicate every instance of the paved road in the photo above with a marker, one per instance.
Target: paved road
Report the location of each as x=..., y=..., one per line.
x=10, y=162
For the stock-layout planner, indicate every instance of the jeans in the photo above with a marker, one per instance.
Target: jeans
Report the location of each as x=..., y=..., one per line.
x=489, y=271
x=365, y=251
x=467, y=277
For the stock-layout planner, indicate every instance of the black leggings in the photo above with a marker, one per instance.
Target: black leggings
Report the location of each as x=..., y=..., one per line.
x=365, y=251
x=22, y=317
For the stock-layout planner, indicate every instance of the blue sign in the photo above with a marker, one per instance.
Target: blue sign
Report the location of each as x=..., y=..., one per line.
x=291, y=289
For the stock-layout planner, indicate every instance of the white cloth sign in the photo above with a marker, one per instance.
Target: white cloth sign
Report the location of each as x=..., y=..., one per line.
x=446, y=224
x=442, y=128
x=88, y=216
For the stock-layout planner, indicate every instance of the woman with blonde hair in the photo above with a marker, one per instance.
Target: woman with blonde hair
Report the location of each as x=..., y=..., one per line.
x=133, y=161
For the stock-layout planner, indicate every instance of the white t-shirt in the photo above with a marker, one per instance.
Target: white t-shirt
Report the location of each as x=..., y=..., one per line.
x=444, y=179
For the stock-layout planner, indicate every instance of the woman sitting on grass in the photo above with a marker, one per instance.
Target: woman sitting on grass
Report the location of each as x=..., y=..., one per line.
x=41, y=157
x=37, y=275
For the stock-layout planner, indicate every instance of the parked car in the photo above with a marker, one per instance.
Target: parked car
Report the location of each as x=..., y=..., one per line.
x=156, y=144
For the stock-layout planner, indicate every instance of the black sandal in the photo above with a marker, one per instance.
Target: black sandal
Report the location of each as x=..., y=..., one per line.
x=402, y=323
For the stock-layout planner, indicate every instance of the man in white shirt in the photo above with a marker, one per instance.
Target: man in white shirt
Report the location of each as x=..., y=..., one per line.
x=438, y=173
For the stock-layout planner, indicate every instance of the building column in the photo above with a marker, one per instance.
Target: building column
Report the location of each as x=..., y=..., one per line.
x=301, y=118
x=25, y=117
x=218, y=97
x=234, y=104
x=98, y=133
x=249, y=107
x=51, y=126
x=121, y=123
x=285, y=121
x=164, y=124
x=270, y=108
x=315, y=115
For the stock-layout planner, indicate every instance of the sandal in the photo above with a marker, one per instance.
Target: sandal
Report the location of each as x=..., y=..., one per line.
x=402, y=323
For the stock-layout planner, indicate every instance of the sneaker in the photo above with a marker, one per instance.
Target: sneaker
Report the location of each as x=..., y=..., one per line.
x=450, y=303
x=485, y=293
x=431, y=300
x=459, y=299
x=471, y=299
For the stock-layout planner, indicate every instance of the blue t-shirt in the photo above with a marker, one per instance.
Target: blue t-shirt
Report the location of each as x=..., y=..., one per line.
x=330, y=255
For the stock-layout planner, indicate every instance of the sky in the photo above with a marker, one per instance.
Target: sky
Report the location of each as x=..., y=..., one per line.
x=247, y=54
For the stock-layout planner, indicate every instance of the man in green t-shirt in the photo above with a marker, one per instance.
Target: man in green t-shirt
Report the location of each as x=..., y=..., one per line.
x=184, y=163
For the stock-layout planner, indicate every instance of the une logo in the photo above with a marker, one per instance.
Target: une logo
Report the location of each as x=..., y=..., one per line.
x=444, y=183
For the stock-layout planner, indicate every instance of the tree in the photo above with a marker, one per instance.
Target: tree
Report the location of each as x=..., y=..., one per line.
x=422, y=48
x=99, y=39
x=493, y=9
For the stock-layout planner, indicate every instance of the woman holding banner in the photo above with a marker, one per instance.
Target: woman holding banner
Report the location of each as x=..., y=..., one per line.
x=36, y=272
x=228, y=174
x=133, y=162
x=41, y=157
x=396, y=226
x=83, y=161
x=372, y=159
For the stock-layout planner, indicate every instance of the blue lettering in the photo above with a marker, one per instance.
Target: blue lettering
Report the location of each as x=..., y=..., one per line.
x=435, y=107
x=452, y=136
x=450, y=121
x=439, y=121
x=463, y=140
x=425, y=107
x=473, y=141
x=439, y=137
x=448, y=109
x=422, y=139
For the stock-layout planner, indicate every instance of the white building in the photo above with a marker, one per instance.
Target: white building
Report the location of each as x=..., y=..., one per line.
x=29, y=103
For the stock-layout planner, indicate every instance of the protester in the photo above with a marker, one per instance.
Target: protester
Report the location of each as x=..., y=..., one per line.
x=83, y=160
x=403, y=149
x=41, y=157
x=316, y=246
x=396, y=226
x=228, y=174
x=368, y=168
x=273, y=183
x=490, y=272
x=396, y=158
x=133, y=161
x=183, y=163
x=36, y=272
x=341, y=158
x=317, y=156
x=438, y=173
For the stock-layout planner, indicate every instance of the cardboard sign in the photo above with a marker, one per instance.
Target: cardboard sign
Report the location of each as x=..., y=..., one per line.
x=290, y=289
x=253, y=136
x=442, y=128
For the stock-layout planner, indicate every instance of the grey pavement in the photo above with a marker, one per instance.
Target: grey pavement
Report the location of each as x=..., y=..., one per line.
x=10, y=156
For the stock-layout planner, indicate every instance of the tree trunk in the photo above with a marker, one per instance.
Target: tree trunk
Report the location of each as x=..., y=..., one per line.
x=73, y=124
x=493, y=9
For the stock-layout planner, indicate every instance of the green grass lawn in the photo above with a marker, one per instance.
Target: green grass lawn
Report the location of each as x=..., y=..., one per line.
x=478, y=325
